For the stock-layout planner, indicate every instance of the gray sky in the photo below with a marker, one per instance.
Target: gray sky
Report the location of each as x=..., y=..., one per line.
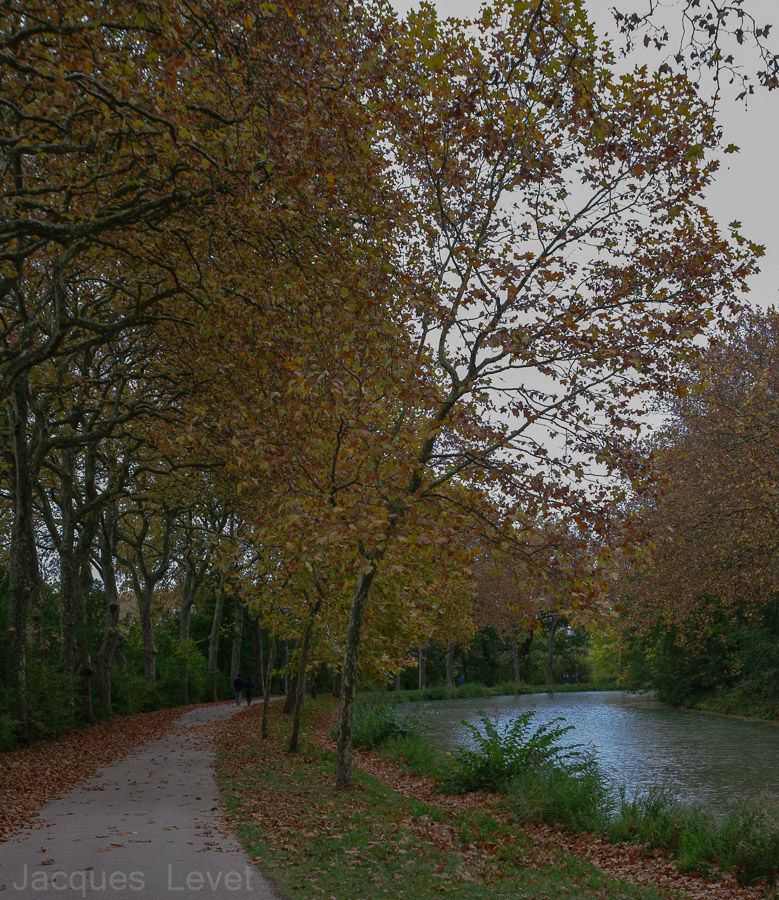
x=747, y=187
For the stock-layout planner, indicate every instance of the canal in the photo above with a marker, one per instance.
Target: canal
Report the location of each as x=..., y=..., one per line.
x=639, y=743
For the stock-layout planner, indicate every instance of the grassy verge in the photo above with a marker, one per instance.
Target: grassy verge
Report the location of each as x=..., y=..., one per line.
x=544, y=785
x=506, y=688
x=734, y=703
x=376, y=842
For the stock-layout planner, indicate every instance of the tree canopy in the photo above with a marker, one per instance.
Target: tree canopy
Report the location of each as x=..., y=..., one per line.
x=336, y=323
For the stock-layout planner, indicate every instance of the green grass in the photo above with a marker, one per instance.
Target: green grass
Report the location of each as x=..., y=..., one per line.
x=746, y=841
x=547, y=783
x=374, y=842
x=736, y=703
x=576, y=798
x=376, y=720
x=505, y=688
x=501, y=753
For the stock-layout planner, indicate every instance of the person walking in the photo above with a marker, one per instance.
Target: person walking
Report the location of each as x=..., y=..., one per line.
x=249, y=686
x=238, y=686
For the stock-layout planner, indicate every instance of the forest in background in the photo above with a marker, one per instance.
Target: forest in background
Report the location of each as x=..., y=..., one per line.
x=332, y=336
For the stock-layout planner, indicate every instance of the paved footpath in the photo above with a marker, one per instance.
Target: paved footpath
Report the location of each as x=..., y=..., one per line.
x=147, y=826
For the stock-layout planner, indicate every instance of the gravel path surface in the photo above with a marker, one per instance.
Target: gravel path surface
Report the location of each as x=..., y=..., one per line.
x=147, y=826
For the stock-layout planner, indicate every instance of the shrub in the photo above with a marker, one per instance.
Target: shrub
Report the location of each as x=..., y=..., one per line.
x=53, y=706
x=653, y=818
x=471, y=690
x=170, y=674
x=752, y=834
x=508, y=687
x=746, y=841
x=131, y=693
x=376, y=720
x=438, y=692
x=575, y=795
x=417, y=754
x=503, y=752
x=8, y=731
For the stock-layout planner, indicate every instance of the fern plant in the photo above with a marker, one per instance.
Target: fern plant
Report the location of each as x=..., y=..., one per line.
x=501, y=752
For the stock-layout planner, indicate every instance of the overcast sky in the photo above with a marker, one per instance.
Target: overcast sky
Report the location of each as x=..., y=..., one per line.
x=747, y=187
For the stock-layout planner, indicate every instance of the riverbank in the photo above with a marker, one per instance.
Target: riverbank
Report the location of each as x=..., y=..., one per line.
x=397, y=835
x=729, y=706
x=737, y=706
x=474, y=690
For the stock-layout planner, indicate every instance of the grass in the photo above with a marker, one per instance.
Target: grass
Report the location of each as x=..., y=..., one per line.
x=576, y=798
x=735, y=703
x=505, y=688
x=376, y=720
x=746, y=841
x=547, y=783
x=374, y=842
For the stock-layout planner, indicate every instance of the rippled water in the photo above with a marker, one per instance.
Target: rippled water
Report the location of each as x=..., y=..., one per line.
x=639, y=743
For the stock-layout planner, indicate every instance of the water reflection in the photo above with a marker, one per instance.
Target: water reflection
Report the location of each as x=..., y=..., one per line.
x=638, y=742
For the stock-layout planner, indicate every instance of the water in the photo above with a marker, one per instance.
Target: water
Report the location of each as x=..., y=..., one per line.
x=639, y=743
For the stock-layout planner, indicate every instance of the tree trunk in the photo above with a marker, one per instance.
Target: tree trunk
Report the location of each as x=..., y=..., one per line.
x=515, y=654
x=301, y=680
x=397, y=680
x=550, y=649
x=145, y=601
x=145, y=579
x=111, y=633
x=289, y=700
x=74, y=546
x=267, y=682
x=286, y=666
x=86, y=670
x=24, y=580
x=120, y=660
x=337, y=683
x=235, y=655
x=188, y=594
x=450, y=664
x=213, y=638
x=312, y=688
x=259, y=669
x=75, y=587
x=422, y=667
x=344, y=772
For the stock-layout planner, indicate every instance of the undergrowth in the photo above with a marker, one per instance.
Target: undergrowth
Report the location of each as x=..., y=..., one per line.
x=547, y=782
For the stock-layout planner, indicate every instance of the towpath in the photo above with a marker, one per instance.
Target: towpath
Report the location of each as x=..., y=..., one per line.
x=146, y=826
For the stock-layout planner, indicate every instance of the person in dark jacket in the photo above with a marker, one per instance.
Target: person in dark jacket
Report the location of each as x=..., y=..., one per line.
x=249, y=686
x=238, y=686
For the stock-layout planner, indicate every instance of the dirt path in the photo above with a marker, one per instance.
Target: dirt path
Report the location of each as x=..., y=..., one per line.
x=148, y=825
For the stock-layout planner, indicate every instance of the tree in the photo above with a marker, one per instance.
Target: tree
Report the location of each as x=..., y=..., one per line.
x=709, y=573
x=709, y=37
x=533, y=306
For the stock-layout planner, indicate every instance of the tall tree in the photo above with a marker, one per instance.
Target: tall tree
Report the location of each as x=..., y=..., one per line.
x=553, y=251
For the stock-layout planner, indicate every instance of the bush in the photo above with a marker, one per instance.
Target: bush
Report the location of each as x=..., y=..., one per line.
x=438, y=692
x=502, y=753
x=376, y=720
x=471, y=690
x=8, y=732
x=132, y=694
x=170, y=673
x=53, y=706
x=417, y=754
x=508, y=688
x=752, y=834
x=652, y=818
x=576, y=795
x=746, y=841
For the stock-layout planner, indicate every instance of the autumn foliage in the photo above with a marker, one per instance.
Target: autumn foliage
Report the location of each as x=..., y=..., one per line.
x=321, y=309
x=705, y=596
